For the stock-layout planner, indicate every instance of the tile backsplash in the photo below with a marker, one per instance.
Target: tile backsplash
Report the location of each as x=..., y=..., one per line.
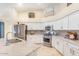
x=64, y=32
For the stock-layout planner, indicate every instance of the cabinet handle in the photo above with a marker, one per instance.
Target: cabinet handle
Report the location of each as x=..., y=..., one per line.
x=57, y=43
x=61, y=27
x=72, y=51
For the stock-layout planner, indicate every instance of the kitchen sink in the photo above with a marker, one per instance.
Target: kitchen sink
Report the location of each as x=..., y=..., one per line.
x=14, y=41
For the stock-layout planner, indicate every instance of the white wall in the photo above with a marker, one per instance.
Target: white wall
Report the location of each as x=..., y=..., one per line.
x=66, y=11
x=59, y=8
x=23, y=16
x=7, y=15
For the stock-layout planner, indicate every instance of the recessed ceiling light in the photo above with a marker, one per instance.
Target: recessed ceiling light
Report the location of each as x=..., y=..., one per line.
x=20, y=4
x=39, y=4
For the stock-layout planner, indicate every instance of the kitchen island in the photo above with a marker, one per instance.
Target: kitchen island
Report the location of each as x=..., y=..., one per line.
x=18, y=49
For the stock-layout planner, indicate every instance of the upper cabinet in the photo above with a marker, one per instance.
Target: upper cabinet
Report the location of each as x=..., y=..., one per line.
x=65, y=23
x=70, y=22
x=35, y=26
x=61, y=24
x=74, y=21
x=58, y=25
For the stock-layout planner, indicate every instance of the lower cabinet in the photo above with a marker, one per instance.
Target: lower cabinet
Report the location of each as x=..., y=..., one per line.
x=34, y=39
x=65, y=47
x=71, y=50
x=58, y=44
x=54, y=42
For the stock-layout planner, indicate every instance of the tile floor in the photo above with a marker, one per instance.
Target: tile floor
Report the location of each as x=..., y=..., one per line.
x=31, y=47
x=47, y=51
x=43, y=50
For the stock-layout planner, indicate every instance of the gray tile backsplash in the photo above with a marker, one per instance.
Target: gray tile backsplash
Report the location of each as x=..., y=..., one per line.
x=63, y=32
x=32, y=32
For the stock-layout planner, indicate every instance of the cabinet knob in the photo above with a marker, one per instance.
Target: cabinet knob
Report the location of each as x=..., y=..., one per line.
x=72, y=51
x=57, y=43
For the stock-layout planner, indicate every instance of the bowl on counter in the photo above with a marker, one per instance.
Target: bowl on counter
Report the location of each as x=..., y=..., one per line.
x=71, y=35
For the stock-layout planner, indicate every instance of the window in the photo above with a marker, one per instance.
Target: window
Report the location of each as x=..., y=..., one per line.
x=1, y=29
x=31, y=15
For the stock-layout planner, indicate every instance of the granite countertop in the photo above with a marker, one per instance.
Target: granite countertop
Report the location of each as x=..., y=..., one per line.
x=17, y=49
x=76, y=42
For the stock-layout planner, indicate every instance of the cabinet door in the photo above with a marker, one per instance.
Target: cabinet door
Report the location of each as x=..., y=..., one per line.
x=65, y=23
x=55, y=42
x=70, y=50
x=74, y=21
x=58, y=44
x=61, y=46
x=66, y=49
x=34, y=39
x=74, y=50
x=61, y=24
x=58, y=25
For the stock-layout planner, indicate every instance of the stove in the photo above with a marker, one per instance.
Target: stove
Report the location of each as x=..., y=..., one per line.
x=47, y=37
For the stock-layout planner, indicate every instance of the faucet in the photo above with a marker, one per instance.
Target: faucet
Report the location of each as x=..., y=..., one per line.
x=6, y=42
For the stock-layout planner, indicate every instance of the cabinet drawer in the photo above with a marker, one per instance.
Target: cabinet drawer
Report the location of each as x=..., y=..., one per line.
x=73, y=49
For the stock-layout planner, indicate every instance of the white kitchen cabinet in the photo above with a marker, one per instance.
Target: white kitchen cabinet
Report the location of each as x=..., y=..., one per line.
x=34, y=39
x=54, y=40
x=73, y=50
x=61, y=24
x=65, y=23
x=58, y=44
x=74, y=21
x=58, y=25
x=35, y=26
x=70, y=49
x=70, y=22
x=61, y=45
x=66, y=49
x=49, y=23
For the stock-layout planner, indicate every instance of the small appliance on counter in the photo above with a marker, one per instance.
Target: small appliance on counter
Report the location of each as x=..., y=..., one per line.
x=71, y=35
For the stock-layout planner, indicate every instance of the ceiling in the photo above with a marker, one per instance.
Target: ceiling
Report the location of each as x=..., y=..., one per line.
x=35, y=6
x=30, y=6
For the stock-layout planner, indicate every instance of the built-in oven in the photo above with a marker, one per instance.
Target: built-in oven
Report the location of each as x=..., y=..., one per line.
x=47, y=37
